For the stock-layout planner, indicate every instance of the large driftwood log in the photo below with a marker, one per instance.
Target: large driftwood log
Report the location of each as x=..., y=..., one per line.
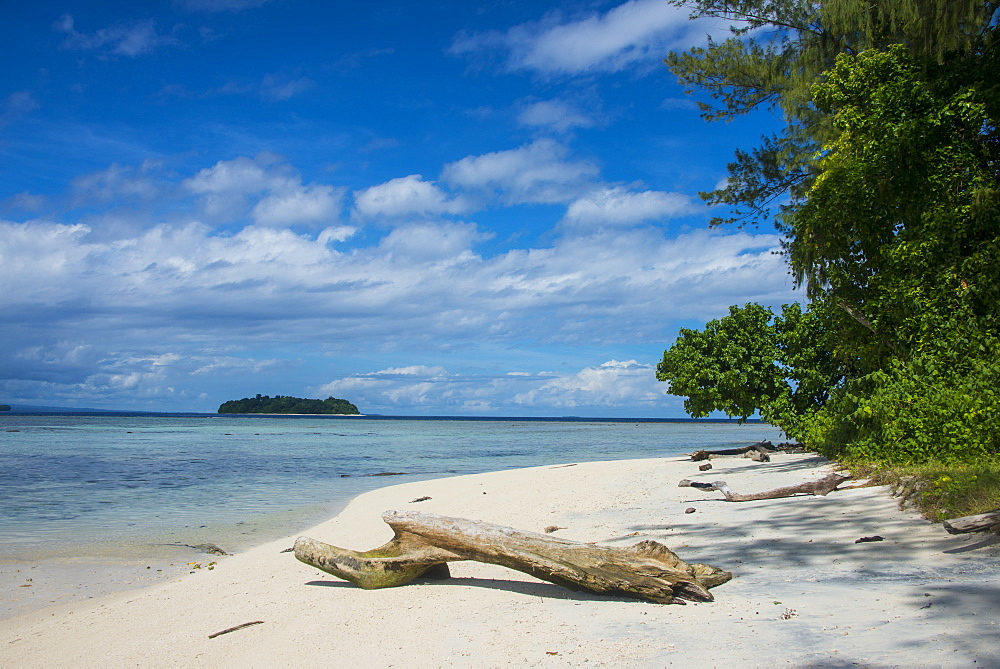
x=648, y=570
x=823, y=486
x=979, y=523
x=759, y=451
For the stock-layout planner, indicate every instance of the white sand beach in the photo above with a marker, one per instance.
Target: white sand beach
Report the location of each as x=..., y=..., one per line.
x=804, y=592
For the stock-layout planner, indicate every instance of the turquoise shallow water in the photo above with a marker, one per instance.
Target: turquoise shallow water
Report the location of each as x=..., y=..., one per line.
x=70, y=481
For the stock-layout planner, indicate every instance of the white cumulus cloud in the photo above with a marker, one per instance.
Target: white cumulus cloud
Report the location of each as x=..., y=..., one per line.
x=428, y=242
x=539, y=172
x=314, y=203
x=239, y=175
x=618, y=206
x=264, y=190
x=406, y=196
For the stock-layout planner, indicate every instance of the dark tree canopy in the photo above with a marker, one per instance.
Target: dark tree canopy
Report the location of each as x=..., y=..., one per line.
x=781, y=48
x=288, y=405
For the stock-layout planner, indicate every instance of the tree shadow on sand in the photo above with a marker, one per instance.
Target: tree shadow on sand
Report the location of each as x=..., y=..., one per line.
x=541, y=589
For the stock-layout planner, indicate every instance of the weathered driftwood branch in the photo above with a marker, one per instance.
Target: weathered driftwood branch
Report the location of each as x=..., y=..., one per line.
x=697, y=456
x=756, y=451
x=823, y=486
x=761, y=449
x=979, y=523
x=648, y=570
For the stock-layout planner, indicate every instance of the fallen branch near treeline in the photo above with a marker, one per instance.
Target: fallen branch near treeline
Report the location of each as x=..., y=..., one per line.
x=822, y=487
x=982, y=522
x=648, y=570
x=761, y=451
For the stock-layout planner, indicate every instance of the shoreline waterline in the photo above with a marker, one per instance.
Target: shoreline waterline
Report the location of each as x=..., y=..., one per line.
x=101, y=498
x=66, y=479
x=799, y=573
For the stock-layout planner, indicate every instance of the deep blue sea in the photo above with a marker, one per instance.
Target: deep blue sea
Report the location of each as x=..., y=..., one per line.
x=76, y=481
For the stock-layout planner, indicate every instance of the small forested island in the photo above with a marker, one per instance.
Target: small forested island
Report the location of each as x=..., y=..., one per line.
x=285, y=404
x=4, y=407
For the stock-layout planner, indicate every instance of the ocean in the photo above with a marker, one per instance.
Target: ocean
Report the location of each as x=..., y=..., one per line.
x=124, y=485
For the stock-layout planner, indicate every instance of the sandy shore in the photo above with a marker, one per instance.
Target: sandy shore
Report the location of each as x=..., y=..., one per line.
x=804, y=594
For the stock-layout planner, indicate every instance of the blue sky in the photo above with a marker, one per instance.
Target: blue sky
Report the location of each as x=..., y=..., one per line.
x=436, y=208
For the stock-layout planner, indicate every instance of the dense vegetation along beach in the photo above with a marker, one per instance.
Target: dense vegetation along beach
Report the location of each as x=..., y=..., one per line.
x=887, y=173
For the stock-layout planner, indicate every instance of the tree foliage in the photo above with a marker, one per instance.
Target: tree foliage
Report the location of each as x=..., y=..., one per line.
x=288, y=405
x=887, y=179
x=779, y=50
x=753, y=360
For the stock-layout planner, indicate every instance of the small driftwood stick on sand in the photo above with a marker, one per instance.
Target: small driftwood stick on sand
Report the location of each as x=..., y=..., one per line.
x=982, y=522
x=647, y=570
x=823, y=486
x=235, y=627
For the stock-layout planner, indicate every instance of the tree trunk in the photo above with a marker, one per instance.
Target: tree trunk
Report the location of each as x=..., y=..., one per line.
x=823, y=486
x=648, y=570
x=978, y=523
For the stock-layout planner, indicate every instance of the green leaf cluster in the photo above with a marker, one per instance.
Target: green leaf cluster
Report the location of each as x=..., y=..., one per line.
x=288, y=405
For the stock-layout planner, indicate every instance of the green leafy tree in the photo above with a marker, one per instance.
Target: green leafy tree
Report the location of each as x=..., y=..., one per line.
x=729, y=366
x=753, y=361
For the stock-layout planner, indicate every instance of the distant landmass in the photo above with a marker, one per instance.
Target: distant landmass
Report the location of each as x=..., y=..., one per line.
x=36, y=409
x=283, y=404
